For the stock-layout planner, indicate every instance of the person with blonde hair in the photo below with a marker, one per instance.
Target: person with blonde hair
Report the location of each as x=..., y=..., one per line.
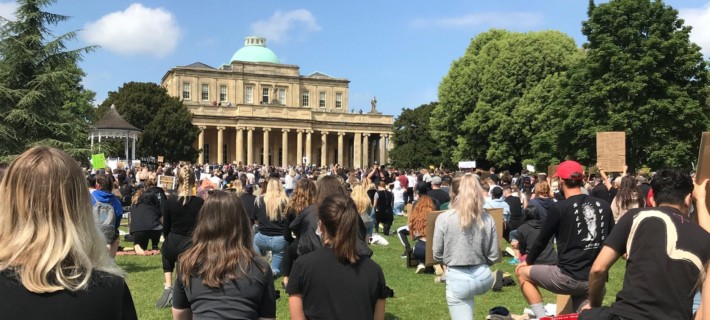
x=220, y=276
x=269, y=213
x=364, y=206
x=465, y=240
x=290, y=182
x=178, y=224
x=53, y=261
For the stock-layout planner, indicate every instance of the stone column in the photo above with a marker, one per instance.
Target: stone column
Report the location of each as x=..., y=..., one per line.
x=284, y=147
x=383, y=158
x=365, y=150
x=240, y=146
x=200, y=145
x=341, y=150
x=324, y=148
x=309, y=154
x=133, y=149
x=266, y=146
x=299, y=146
x=250, y=146
x=220, y=145
x=390, y=145
x=357, y=149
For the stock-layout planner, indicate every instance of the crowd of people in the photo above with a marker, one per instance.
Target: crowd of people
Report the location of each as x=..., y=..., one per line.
x=229, y=231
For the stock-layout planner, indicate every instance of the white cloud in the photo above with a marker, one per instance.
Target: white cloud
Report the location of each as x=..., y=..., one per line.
x=493, y=19
x=699, y=19
x=7, y=10
x=278, y=26
x=135, y=31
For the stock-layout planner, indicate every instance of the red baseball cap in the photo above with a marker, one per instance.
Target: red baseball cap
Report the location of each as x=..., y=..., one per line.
x=567, y=168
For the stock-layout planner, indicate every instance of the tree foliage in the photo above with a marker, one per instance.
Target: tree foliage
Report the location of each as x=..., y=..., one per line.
x=165, y=122
x=42, y=100
x=644, y=76
x=474, y=119
x=414, y=146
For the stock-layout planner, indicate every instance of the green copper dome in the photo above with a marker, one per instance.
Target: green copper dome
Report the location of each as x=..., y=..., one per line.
x=255, y=50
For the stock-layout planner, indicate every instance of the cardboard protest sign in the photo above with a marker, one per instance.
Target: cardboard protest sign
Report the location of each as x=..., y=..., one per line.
x=160, y=158
x=166, y=182
x=611, y=151
x=430, y=223
x=551, y=170
x=497, y=215
x=98, y=161
x=703, y=166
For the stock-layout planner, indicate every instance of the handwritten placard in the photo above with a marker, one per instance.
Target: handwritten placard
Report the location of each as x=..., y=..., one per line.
x=611, y=151
x=551, y=170
x=166, y=182
x=160, y=159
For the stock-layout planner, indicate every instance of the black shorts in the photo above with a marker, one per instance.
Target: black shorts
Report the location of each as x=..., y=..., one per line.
x=174, y=245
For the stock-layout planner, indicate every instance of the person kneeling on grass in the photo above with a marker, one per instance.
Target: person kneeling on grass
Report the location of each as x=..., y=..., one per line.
x=466, y=241
x=221, y=276
x=666, y=255
x=335, y=282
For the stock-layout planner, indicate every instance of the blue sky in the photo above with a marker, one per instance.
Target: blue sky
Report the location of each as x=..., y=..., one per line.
x=395, y=50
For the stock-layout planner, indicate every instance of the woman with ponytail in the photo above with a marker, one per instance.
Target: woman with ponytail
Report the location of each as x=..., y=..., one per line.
x=465, y=240
x=178, y=224
x=335, y=282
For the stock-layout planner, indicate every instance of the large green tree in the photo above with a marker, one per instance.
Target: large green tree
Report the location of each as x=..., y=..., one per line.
x=414, y=146
x=42, y=100
x=644, y=76
x=478, y=97
x=166, y=123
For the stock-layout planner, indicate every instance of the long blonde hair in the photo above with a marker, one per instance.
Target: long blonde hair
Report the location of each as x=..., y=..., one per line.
x=47, y=230
x=275, y=199
x=469, y=201
x=359, y=195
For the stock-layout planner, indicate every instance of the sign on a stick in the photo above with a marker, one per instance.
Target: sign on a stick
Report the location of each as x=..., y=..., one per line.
x=611, y=151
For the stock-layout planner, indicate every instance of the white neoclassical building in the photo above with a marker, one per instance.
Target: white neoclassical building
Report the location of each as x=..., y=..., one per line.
x=257, y=110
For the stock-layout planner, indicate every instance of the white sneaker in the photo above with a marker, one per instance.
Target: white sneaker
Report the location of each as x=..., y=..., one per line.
x=420, y=268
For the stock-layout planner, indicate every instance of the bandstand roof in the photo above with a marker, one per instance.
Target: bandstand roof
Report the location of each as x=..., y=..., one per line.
x=113, y=121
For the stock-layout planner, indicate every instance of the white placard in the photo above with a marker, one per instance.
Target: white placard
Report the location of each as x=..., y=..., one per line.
x=530, y=167
x=467, y=164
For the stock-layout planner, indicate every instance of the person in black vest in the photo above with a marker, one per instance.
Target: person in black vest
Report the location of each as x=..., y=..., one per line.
x=384, y=204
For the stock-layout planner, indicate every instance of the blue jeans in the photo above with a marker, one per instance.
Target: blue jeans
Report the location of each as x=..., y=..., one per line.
x=374, y=221
x=462, y=284
x=275, y=244
x=398, y=208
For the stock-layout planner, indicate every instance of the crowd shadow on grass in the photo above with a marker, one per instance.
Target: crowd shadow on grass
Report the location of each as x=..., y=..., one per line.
x=130, y=267
x=389, y=316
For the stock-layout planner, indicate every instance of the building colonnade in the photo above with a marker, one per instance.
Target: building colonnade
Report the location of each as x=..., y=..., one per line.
x=264, y=145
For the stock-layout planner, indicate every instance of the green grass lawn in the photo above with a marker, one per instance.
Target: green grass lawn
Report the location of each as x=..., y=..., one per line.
x=416, y=295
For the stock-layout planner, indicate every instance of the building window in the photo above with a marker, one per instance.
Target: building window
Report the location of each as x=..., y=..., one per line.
x=186, y=91
x=282, y=95
x=222, y=93
x=305, y=97
x=224, y=154
x=206, y=152
x=321, y=101
x=205, y=92
x=264, y=95
x=338, y=100
x=249, y=94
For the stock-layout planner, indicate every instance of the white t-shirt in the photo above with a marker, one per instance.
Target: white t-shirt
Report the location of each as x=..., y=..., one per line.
x=411, y=181
x=398, y=192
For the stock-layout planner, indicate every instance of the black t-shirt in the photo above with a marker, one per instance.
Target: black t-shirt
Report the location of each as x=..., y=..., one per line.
x=247, y=298
x=580, y=224
x=106, y=297
x=516, y=212
x=439, y=195
x=266, y=226
x=248, y=203
x=644, y=188
x=657, y=286
x=333, y=290
x=600, y=191
x=180, y=219
x=527, y=233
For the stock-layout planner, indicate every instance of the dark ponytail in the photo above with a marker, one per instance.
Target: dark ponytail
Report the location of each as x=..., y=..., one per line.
x=338, y=215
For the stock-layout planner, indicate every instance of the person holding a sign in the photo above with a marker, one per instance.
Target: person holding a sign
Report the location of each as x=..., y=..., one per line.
x=466, y=241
